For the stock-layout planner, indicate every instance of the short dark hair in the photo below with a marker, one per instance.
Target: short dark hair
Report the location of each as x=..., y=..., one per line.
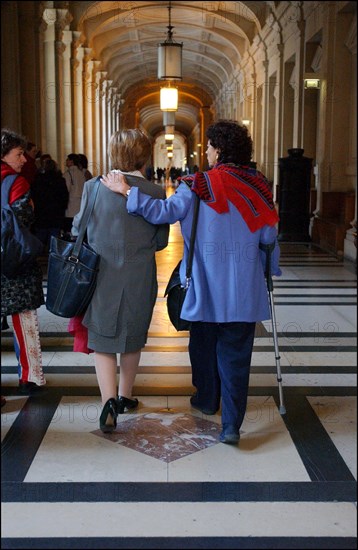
x=44, y=157
x=83, y=160
x=30, y=145
x=10, y=140
x=50, y=165
x=74, y=158
x=232, y=140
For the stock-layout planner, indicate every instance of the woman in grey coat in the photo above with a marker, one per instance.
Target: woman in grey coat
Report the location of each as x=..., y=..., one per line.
x=121, y=308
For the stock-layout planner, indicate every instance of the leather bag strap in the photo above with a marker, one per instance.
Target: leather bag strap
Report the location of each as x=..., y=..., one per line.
x=85, y=218
x=189, y=264
x=6, y=185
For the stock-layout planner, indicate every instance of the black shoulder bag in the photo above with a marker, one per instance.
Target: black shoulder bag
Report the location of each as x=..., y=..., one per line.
x=72, y=269
x=175, y=292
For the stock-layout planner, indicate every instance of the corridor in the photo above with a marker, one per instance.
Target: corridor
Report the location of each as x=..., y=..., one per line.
x=163, y=479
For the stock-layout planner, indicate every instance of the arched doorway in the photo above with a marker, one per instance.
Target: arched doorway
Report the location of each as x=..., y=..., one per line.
x=160, y=153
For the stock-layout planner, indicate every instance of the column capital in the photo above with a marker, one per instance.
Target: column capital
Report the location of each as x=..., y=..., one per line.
x=77, y=39
x=60, y=47
x=63, y=19
x=48, y=17
x=88, y=54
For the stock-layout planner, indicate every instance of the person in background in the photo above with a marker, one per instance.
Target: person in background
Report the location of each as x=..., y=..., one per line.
x=75, y=180
x=30, y=168
x=50, y=195
x=38, y=159
x=22, y=295
x=84, y=166
x=43, y=158
x=120, y=311
x=149, y=172
x=227, y=294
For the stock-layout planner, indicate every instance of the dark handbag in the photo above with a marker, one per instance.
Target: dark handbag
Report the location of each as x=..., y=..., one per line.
x=72, y=270
x=175, y=292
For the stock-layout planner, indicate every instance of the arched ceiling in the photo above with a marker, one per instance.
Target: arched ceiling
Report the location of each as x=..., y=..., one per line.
x=124, y=37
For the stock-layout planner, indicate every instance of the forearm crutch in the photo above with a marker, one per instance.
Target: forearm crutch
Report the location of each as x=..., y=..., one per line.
x=268, y=248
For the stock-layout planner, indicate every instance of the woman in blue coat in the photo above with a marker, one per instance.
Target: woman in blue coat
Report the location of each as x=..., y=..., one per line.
x=227, y=293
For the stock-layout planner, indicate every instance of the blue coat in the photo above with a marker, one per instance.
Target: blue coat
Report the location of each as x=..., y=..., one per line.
x=228, y=282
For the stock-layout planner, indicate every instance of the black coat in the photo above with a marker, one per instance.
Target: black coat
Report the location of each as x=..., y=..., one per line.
x=50, y=196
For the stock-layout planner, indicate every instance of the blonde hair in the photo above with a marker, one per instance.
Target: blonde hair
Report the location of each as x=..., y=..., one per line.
x=129, y=150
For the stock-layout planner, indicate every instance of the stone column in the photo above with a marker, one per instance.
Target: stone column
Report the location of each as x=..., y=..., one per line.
x=265, y=113
x=118, y=103
x=108, y=109
x=350, y=241
x=104, y=120
x=77, y=93
x=63, y=39
x=10, y=71
x=112, y=108
x=249, y=102
x=29, y=53
x=89, y=94
x=336, y=193
x=50, y=87
x=96, y=166
x=278, y=94
x=66, y=95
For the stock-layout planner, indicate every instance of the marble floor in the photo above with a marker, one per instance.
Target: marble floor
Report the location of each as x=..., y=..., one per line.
x=163, y=479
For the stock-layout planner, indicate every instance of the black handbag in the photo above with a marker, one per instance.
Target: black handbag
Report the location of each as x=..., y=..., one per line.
x=175, y=292
x=72, y=269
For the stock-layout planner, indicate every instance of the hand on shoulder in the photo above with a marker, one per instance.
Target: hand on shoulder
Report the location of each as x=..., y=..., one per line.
x=116, y=182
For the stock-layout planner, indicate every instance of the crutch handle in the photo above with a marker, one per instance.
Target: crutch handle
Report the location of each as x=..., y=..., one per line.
x=268, y=249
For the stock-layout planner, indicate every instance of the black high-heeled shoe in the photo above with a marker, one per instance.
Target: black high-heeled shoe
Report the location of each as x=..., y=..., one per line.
x=108, y=418
x=126, y=403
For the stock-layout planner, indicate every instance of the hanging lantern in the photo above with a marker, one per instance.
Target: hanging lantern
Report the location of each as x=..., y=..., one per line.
x=169, y=118
x=170, y=56
x=169, y=99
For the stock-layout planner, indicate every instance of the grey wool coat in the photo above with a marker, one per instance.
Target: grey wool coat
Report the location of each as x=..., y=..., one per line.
x=122, y=304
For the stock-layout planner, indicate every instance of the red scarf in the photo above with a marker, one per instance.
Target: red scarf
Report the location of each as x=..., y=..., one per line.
x=20, y=185
x=246, y=188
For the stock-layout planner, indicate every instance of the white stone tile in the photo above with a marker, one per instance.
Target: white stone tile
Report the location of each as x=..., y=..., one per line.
x=308, y=272
x=264, y=445
x=258, y=457
x=177, y=519
x=313, y=318
x=307, y=379
x=297, y=292
x=71, y=358
x=321, y=358
x=180, y=382
x=168, y=342
x=8, y=358
x=69, y=451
